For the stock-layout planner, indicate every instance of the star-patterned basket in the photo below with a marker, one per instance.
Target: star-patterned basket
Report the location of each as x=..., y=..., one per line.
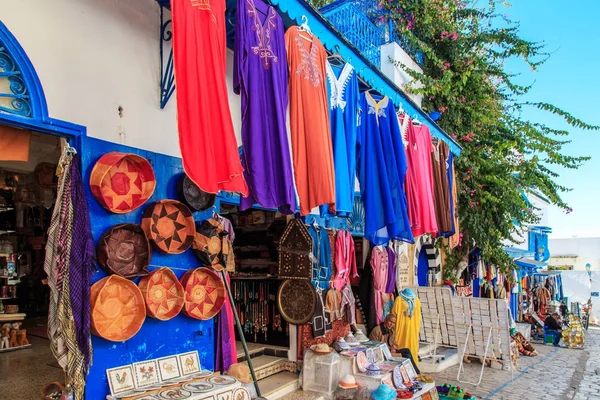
x=204, y=293
x=118, y=310
x=122, y=182
x=169, y=225
x=163, y=294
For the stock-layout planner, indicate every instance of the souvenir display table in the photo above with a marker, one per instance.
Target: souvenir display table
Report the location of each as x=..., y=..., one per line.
x=209, y=387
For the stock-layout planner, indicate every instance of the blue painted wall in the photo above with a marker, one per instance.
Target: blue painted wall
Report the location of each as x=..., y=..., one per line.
x=156, y=338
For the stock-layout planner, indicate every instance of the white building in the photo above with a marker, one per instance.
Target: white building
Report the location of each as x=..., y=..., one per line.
x=575, y=253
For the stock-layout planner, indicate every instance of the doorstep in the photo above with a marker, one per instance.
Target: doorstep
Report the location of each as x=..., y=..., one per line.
x=279, y=386
x=257, y=350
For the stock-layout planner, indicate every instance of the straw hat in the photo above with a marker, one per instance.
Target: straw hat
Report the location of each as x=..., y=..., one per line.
x=348, y=382
x=321, y=348
x=241, y=372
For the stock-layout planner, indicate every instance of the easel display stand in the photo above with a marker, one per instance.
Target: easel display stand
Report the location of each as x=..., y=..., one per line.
x=483, y=332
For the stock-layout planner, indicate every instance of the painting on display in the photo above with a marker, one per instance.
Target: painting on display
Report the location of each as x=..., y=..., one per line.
x=146, y=373
x=189, y=363
x=120, y=379
x=168, y=368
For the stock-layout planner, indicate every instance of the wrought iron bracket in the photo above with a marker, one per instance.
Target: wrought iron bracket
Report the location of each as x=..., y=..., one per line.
x=167, y=78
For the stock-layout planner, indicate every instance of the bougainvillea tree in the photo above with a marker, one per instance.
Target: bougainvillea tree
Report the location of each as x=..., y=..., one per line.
x=466, y=45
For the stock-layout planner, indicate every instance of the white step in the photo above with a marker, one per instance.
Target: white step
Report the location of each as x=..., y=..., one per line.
x=278, y=386
x=429, y=366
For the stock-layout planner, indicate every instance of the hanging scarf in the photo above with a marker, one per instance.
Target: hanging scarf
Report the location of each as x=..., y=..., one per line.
x=409, y=298
x=68, y=264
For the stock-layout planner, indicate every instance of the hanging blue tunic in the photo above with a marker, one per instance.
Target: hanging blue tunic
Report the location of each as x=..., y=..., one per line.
x=343, y=99
x=321, y=272
x=382, y=168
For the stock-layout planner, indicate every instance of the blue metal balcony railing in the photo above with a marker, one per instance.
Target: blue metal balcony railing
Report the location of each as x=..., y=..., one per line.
x=368, y=26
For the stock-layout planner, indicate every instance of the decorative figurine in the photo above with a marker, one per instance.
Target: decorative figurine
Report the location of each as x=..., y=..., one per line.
x=13, y=338
x=22, y=337
x=5, y=334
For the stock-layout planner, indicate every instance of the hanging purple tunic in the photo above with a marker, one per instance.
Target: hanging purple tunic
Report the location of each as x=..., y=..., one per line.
x=260, y=76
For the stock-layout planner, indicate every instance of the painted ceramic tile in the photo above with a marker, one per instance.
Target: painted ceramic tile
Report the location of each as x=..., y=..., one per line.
x=120, y=379
x=189, y=363
x=146, y=373
x=222, y=380
x=168, y=368
x=241, y=394
x=378, y=355
x=386, y=352
x=410, y=370
x=199, y=387
x=225, y=395
x=175, y=393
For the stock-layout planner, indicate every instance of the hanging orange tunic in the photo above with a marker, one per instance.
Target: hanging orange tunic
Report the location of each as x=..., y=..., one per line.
x=309, y=120
x=206, y=137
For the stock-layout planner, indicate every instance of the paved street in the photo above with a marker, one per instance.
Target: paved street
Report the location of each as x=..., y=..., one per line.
x=556, y=373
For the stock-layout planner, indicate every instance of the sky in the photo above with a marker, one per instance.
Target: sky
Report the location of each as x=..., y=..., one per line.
x=570, y=80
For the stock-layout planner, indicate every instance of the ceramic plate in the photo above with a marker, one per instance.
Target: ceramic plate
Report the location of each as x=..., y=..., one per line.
x=222, y=380
x=174, y=394
x=361, y=362
x=199, y=387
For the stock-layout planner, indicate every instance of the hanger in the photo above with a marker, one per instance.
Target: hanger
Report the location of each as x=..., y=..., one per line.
x=304, y=26
x=336, y=56
x=415, y=120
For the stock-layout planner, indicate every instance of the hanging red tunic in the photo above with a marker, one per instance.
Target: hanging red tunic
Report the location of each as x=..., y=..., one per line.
x=206, y=137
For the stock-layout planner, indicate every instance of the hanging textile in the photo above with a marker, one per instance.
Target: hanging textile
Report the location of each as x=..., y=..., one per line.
x=342, y=86
x=381, y=170
x=321, y=268
x=367, y=294
x=403, y=261
x=309, y=120
x=440, y=186
x=348, y=304
x=391, y=275
x=379, y=263
x=261, y=77
x=319, y=322
x=451, y=207
x=345, y=260
x=333, y=304
x=69, y=262
x=419, y=178
x=455, y=238
x=207, y=141
x=407, y=310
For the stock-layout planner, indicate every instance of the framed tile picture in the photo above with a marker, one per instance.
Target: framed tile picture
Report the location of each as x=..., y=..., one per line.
x=189, y=363
x=120, y=379
x=168, y=368
x=146, y=373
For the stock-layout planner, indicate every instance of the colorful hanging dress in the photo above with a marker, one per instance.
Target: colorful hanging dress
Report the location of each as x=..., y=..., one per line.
x=407, y=310
x=441, y=189
x=381, y=170
x=380, y=264
x=419, y=179
x=309, y=120
x=261, y=77
x=206, y=137
x=342, y=87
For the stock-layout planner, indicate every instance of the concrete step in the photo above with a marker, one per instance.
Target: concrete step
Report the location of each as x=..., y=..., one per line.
x=257, y=350
x=266, y=366
x=449, y=358
x=279, y=386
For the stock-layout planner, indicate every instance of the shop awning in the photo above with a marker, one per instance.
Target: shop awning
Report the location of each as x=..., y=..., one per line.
x=530, y=263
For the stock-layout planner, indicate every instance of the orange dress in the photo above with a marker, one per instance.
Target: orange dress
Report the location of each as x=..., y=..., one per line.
x=207, y=141
x=309, y=120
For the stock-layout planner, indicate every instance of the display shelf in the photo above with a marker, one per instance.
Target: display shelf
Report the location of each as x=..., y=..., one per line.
x=12, y=317
x=8, y=298
x=6, y=232
x=4, y=209
x=14, y=348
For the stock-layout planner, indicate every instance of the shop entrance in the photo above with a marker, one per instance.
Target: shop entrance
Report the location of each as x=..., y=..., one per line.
x=254, y=284
x=27, y=196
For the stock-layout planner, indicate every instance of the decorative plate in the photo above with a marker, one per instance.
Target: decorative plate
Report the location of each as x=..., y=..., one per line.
x=397, y=378
x=241, y=394
x=169, y=225
x=117, y=308
x=122, y=182
x=204, y=293
x=124, y=250
x=163, y=294
x=297, y=301
x=361, y=362
x=193, y=196
x=199, y=387
x=174, y=394
x=222, y=380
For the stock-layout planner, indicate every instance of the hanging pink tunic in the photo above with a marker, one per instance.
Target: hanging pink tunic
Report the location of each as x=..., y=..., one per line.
x=419, y=178
x=379, y=263
x=345, y=260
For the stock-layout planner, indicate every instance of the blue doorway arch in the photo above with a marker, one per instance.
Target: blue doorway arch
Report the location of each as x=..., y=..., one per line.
x=24, y=103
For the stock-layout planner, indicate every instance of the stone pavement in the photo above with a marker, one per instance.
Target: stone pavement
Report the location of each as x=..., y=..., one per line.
x=556, y=373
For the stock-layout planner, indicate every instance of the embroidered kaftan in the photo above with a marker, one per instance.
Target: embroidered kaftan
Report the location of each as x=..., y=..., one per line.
x=342, y=87
x=381, y=170
x=206, y=137
x=440, y=186
x=321, y=270
x=261, y=77
x=345, y=260
x=309, y=120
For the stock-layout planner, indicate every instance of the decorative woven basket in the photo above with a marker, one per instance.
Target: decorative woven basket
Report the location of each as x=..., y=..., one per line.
x=204, y=293
x=118, y=310
x=163, y=294
x=122, y=182
x=169, y=225
x=124, y=250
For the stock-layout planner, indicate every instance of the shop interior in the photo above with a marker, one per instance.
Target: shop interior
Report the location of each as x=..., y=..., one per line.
x=27, y=196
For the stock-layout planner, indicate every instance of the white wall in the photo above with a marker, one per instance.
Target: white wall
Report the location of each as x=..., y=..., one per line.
x=587, y=250
x=397, y=74
x=93, y=56
x=576, y=287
